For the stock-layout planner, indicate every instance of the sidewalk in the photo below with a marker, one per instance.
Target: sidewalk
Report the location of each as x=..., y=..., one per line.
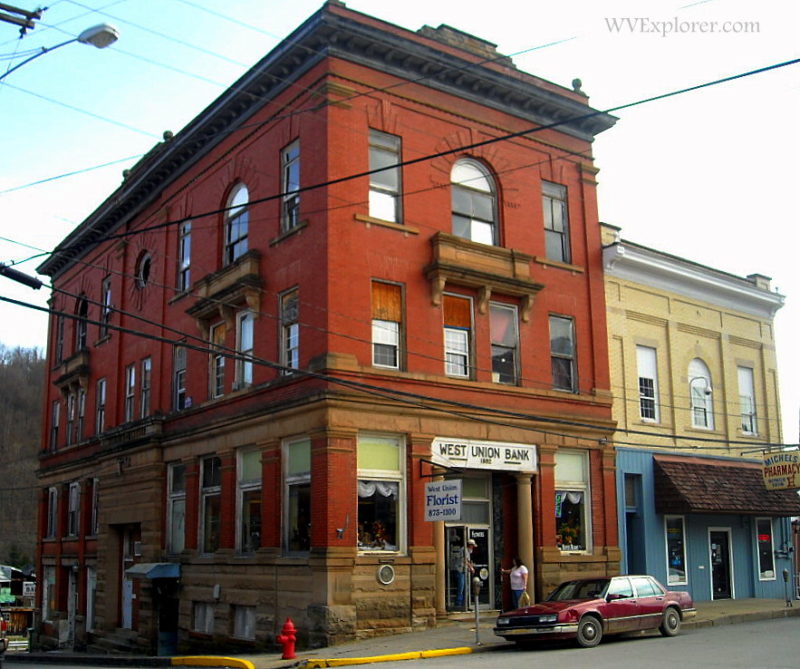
x=451, y=637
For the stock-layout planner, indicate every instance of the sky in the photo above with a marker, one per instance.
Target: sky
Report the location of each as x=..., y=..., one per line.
x=711, y=175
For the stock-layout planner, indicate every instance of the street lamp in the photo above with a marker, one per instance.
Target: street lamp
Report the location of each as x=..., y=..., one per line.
x=99, y=36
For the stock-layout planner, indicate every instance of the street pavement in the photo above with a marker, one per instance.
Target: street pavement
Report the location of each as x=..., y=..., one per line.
x=452, y=636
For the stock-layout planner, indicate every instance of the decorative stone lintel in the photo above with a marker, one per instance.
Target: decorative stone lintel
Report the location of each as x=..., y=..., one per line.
x=74, y=372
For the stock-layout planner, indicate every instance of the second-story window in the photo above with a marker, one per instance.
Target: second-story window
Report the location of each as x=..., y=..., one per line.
x=79, y=430
x=82, y=311
x=236, y=224
x=105, y=308
x=648, y=383
x=73, y=509
x=556, y=222
x=100, y=402
x=244, y=347
x=147, y=369
x=290, y=330
x=130, y=392
x=290, y=183
x=94, y=520
x=71, y=402
x=52, y=512
x=184, y=256
x=562, y=353
x=505, y=343
x=457, y=314
x=385, y=186
x=217, y=371
x=387, y=317
x=179, y=378
x=55, y=417
x=474, y=206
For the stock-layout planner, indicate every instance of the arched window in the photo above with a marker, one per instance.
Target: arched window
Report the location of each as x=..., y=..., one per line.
x=474, y=207
x=701, y=395
x=236, y=224
x=82, y=311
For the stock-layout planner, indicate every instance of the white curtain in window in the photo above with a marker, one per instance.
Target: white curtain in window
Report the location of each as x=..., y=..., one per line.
x=383, y=488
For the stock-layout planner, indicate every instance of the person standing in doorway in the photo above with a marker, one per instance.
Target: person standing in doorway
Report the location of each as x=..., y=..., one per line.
x=518, y=580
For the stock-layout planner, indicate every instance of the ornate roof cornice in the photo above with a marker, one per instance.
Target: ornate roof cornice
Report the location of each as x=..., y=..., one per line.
x=333, y=31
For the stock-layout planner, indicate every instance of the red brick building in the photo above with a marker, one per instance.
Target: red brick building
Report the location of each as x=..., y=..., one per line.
x=372, y=263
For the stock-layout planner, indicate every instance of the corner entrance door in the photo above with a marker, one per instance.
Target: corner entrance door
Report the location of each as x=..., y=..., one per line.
x=459, y=577
x=719, y=548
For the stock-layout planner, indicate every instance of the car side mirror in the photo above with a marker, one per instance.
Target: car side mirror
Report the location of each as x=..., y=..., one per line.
x=615, y=596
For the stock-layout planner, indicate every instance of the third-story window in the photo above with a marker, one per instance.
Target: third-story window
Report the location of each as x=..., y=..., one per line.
x=747, y=400
x=505, y=342
x=82, y=312
x=387, y=317
x=556, y=222
x=457, y=314
x=244, y=347
x=59, y=352
x=130, y=392
x=179, y=378
x=184, y=256
x=474, y=209
x=210, y=495
x=146, y=383
x=290, y=330
x=236, y=224
x=100, y=402
x=648, y=383
x=249, y=500
x=176, y=507
x=290, y=164
x=105, y=307
x=384, y=186
x=562, y=353
x=217, y=365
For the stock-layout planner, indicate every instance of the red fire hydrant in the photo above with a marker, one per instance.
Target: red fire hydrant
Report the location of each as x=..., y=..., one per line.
x=287, y=639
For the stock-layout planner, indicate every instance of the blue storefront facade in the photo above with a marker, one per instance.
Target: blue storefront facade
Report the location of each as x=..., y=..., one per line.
x=704, y=524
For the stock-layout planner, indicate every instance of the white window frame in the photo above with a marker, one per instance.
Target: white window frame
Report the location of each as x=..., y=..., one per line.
x=470, y=179
x=557, y=355
x=554, y=207
x=290, y=184
x=55, y=419
x=145, y=388
x=243, y=488
x=130, y=392
x=245, y=336
x=237, y=224
x=179, y=398
x=100, y=402
x=81, y=420
x=498, y=307
x=456, y=352
x=385, y=338
x=294, y=479
x=203, y=618
x=52, y=512
x=105, y=307
x=672, y=580
x=769, y=574
x=74, y=510
x=71, y=415
x=747, y=400
x=386, y=186
x=216, y=376
x=176, y=498
x=647, y=370
x=244, y=622
x=580, y=485
x=701, y=395
x=290, y=330
x=81, y=325
x=206, y=493
x=184, y=256
x=393, y=477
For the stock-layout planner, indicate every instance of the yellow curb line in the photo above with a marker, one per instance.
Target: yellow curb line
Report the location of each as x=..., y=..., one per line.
x=211, y=661
x=415, y=655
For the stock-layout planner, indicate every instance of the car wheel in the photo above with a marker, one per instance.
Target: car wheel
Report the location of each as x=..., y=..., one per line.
x=590, y=632
x=671, y=622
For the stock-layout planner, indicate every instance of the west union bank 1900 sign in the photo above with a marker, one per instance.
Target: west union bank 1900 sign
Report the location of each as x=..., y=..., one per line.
x=473, y=454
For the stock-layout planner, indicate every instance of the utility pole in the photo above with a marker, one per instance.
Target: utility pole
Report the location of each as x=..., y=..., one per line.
x=20, y=17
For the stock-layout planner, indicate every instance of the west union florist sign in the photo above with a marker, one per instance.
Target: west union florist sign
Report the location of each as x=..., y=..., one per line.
x=472, y=454
x=782, y=470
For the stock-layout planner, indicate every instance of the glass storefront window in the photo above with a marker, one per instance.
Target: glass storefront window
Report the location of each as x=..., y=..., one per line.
x=676, y=550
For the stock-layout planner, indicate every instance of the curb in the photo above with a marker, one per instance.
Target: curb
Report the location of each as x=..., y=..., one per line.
x=414, y=655
x=210, y=661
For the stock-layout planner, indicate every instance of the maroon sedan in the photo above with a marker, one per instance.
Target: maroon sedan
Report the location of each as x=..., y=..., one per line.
x=587, y=609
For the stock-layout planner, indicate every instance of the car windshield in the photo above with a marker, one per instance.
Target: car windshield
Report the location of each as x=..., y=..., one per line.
x=591, y=589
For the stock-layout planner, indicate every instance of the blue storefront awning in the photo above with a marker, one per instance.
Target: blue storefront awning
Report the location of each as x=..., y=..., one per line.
x=153, y=570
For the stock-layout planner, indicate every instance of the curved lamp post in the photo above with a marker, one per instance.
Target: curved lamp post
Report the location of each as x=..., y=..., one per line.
x=100, y=36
